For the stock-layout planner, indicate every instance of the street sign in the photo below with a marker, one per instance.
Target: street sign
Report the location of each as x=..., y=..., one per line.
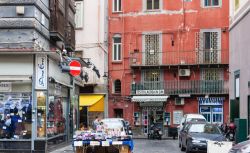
x=75, y=68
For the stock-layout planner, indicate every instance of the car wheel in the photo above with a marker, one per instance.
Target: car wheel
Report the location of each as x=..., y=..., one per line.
x=182, y=148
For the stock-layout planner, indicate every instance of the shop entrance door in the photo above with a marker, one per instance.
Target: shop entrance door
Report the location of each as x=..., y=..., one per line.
x=155, y=118
x=213, y=114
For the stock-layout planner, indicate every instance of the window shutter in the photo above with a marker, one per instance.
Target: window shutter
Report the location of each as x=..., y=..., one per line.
x=199, y=46
x=79, y=14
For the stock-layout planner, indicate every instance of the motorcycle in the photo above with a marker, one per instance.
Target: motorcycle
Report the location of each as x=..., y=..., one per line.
x=229, y=131
x=154, y=133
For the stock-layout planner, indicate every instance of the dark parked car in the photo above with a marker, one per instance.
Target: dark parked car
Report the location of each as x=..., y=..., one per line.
x=194, y=136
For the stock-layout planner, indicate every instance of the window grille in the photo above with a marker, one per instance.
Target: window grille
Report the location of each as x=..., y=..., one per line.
x=152, y=45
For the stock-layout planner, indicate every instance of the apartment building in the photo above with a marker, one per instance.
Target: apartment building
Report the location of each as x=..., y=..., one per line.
x=167, y=59
x=239, y=66
x=36, y=108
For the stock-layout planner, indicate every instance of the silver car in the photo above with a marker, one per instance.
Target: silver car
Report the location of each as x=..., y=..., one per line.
x=243, y=147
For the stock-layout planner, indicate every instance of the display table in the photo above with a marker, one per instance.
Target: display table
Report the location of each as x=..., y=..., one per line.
x=106, y=146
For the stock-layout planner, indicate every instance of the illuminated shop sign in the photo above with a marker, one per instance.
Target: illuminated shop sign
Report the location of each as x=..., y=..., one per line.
x=149, y=92
x=211, y=100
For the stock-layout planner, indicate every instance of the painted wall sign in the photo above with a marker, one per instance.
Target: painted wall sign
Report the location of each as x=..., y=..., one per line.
x=5, y=87
x=211, y=100
x=177, y=116
x=149, y=92
x=41, y=72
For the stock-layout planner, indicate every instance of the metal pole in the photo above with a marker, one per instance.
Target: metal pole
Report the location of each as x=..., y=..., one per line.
x=33, y=121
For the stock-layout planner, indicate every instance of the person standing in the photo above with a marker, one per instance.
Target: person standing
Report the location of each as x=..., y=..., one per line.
x=96, y=122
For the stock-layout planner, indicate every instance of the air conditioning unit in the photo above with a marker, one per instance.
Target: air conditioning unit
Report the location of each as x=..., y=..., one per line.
x=184, y=72
x=183, y=62
x=179, y=101
x=134, y=60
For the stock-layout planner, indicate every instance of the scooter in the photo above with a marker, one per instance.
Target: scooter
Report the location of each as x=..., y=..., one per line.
x=229, y=131
x=155, y=133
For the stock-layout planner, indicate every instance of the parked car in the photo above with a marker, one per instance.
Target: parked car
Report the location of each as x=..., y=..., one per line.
x=243, y=147
x=194, y=136
x=190, y=118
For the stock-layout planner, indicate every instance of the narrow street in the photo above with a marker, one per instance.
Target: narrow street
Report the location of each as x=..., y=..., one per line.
x=156, y=146
x=142, y=146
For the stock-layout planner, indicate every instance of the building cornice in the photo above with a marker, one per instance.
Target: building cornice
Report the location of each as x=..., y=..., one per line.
x=240, y=16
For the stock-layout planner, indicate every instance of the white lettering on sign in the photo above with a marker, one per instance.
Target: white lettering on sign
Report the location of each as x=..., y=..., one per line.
x=78, y=143
x=41, y=71
x=94, y=143
x=5, y=87
x=149, y=92
x=211, y=100
x=117, y=143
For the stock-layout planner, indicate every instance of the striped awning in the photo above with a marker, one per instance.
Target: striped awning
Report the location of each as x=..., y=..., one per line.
x=149, y=98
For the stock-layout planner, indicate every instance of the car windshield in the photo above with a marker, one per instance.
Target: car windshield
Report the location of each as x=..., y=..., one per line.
x=204, y=128
x=112, y=124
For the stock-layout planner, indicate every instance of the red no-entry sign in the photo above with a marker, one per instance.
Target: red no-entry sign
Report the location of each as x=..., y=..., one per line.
x=75, y=68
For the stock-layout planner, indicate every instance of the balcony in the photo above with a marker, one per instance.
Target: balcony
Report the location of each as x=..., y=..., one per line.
x=70, y=39
x=175, y=58
x=192, y=87
x=57, y=20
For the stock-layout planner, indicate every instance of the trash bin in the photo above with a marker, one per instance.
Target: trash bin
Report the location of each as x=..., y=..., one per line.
x=172, y=132
x=241, y=130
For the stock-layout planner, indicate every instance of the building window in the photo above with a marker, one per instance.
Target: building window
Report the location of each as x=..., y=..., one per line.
x=153, y=4
x=208, y=46
x=117, y=86
x=237, y=84
x=152, y=49
x=209, y=3
x=79, y=14
x=117, y=5
x=117, y=48
x=212, y=74
x=212, y=81
x=152, y=79
x=236, y=4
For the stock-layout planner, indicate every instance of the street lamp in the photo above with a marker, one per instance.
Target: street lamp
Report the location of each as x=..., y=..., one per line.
x=105, y=78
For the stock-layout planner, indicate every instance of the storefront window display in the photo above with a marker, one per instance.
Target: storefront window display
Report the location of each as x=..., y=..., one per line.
x=41, y=114
x=15, y=115
x=56, y=116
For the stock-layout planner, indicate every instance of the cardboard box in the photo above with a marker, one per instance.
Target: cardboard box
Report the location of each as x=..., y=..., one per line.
x=124, y=149
x=79, y=149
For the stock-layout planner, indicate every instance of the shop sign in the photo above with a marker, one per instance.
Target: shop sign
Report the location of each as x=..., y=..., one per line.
x=58, y=89
x=41, y=71
x=177, y=116
x=149, y=92
x=211, y=100
x=5, y=87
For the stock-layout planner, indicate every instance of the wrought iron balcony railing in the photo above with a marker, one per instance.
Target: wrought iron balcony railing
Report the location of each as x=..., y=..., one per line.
x=195, y=57
x=180, y=87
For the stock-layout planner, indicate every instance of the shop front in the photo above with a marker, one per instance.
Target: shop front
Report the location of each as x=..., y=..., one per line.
x=150, y=113
x=16, y=102
x=90, y=107
x=212, y=109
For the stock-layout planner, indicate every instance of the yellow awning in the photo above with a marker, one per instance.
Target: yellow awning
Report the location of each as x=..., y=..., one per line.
x=94, y=102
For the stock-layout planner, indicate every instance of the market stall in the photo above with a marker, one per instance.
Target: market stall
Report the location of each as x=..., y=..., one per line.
x=109, y=137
